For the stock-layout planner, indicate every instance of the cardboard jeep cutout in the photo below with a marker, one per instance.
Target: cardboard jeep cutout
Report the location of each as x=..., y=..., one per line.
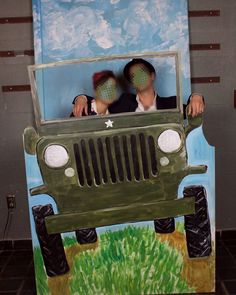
x=120, y=203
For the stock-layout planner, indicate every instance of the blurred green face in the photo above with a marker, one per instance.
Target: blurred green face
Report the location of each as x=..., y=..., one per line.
x=140, y=77
x=107, y=91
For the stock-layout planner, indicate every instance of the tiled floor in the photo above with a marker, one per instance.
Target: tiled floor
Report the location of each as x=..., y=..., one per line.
x=17, y=272
x=17, y=269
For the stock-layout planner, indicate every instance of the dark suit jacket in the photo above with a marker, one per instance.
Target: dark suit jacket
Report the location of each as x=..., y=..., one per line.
x=127, y=103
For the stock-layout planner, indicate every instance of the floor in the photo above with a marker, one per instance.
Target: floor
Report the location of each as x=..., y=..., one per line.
x=17, y=269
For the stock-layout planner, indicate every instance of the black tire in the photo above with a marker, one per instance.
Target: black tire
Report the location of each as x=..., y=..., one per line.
x=51, y=244
x=86, y=236
x=164, y=225
x=197, y=226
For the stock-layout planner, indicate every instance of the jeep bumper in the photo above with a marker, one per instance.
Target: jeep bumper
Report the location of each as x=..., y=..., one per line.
x=133, y=213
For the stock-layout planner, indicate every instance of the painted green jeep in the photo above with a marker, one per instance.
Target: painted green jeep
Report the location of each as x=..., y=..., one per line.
x=103, y=171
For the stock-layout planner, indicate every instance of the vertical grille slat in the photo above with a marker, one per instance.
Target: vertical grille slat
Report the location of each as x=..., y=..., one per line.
x=79, y=164
x=122, y=159
x=130, y=158
x=144, y=156
x=114, y=149
x=135, y=158
x=107, y=167
x=86, y=162
x=102, y=160
x=152, y=151
x=110, y=160
x=90, y=161
x=126, y=158
x=118, y=158
x=148, y=160
x=95, y=162
x=140, y=157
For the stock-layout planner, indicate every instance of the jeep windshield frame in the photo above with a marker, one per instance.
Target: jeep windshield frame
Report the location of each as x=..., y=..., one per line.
x=41, y=123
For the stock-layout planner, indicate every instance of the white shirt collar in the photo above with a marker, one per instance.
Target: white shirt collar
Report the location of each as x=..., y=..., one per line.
x=140, y=107
x=94, y=107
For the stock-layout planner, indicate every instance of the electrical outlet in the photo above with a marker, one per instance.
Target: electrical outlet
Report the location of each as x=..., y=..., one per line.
x=11, y=201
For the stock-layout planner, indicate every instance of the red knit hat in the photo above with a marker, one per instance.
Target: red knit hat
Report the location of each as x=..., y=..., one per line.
x=101, y=77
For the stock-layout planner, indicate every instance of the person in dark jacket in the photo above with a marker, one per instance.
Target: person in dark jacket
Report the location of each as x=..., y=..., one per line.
x=141, y=74
x=105, y=93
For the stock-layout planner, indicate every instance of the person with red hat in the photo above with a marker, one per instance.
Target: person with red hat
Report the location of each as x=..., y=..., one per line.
x=105, y=93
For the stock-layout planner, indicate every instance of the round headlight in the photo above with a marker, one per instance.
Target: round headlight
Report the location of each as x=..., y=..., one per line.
x=56, y=156
x=169, y=141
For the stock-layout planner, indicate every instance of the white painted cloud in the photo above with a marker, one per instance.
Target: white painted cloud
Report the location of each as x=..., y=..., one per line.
x=37, y=35
x=177, y=32
x=157, y=16
x=83, y=1
x=115, y=1
x=136, y=18
x=69, y=30
x=160, y=11
x=150, y=25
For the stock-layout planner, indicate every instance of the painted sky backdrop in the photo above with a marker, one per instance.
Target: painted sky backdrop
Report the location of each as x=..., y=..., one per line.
x=71, y=29
x=66, y=29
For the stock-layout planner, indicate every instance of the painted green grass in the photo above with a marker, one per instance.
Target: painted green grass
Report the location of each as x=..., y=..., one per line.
x=129, y=261
x=40, y=277
x=179, y=226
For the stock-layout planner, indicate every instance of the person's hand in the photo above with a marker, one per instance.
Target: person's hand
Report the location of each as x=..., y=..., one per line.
x=80, y=105
x=196, y=105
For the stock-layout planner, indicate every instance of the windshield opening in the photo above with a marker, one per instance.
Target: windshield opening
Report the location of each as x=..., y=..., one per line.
x=55, y=85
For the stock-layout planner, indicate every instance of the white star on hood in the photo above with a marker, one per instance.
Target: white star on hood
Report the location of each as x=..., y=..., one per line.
x=109, y=123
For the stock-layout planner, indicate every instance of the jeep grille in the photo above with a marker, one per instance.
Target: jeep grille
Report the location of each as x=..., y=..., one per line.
x=115, y=159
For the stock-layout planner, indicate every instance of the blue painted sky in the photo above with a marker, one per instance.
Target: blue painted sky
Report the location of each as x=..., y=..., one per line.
x=69, y=29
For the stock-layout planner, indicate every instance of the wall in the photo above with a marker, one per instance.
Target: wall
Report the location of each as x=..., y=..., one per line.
x=16, y=107
x=15, y=115
x=220, y=115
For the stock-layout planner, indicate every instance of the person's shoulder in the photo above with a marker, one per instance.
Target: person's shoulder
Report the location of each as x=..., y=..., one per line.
x=169, y=102
x=128, y=95
x=126, y=103
x=128, y=99
x=166, y=97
